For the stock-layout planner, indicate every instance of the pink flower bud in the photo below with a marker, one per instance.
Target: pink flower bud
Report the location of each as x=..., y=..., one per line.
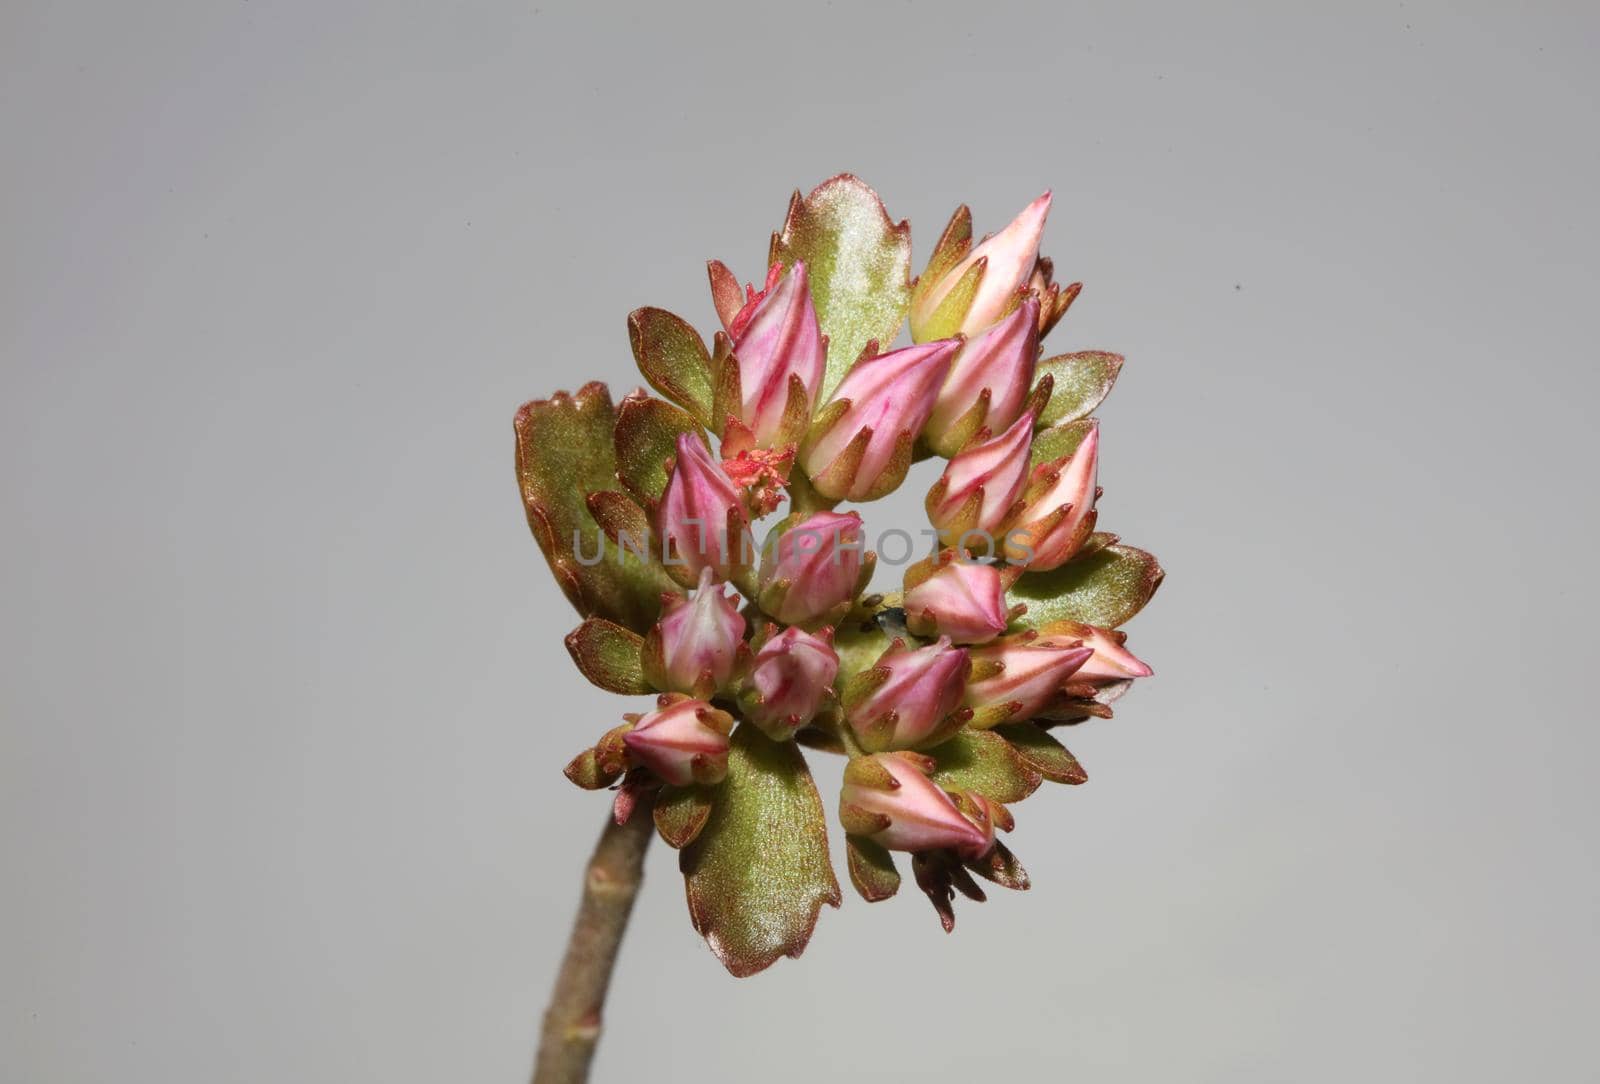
x=1010, y=256
x=683, y=741
x=962, y=600
x=1058, y=509
x=693, y=647
x=908, y=698
x=998, y=361
x=792, y=676
x=979, y=487
x=1110, y=662
x=814, y=570
x=1018, y=678
x=859, y=448
x=889, y=799
x=700, y=518
x=775, y=336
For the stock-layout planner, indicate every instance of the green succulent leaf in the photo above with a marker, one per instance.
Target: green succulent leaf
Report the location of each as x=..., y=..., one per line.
x=758, y=873
x=1082, y=382
x=871, y=869
x=608, y=655
x=588, y=772
x=951, y=248
x=1043, y=753
x=646, y=438
x=859, y=263
x=858, y=645
x=1059, y=441
x=983, y=762
x=1106, y=588
x=946, y=319
x=673, y=358
x=564, y=453
x=681, y=813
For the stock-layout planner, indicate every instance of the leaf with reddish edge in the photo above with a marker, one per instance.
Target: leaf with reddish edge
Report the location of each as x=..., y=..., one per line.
x=1001, y=867
x=564, y=453
x=758, y=873
x=621, y=518
x=948, y=251
x=985, y=763
x=1059, y=441
x=673, y=358
x=1082, y=382
x=608, y=655
x=726, y=294
x=647, y=434
x=1043, y=753
x=859, y=263
x=871, y=869
x=1096, y=542
x=681, y=813
x=1106, y=588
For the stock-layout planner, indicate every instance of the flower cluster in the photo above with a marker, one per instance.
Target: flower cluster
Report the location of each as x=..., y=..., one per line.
x=943, y=693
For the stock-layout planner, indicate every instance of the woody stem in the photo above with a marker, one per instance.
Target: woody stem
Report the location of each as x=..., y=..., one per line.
x=572, y=1020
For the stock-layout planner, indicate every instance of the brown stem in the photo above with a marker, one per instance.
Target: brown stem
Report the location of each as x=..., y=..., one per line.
x=572, y=1022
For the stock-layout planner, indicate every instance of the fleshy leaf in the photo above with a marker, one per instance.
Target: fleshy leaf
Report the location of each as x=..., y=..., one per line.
x=946, y=319
x=871, y=869
x=1001, y=867
x=646, y=437
x=858, y=645
x=1082, y=382
x=588, y=772
x=681, y=813
x=608, y=655
x=860, y=267
x=565, y=452
x=953, y=245
x=1058, y=441
x=673, y=358
x=621, y=518
x=1105, y=588
x=758, y=873
x=1043, y=753
x=984, y=762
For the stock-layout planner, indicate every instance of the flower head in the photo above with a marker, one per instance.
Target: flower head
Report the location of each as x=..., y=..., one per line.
x=683, y=741
x=987, y=283
x=859, y=448
x=942, y=696
x=1111, y=661
x=989, y=381
x=814, y=570
x=1058, y=509
x=963, y=600
x=980, y=486
x=780, y=352
x=1019, y=677
x=693, y=647
x=790, y=680
x=701, y=517
x=909, y=697
x=889, y=799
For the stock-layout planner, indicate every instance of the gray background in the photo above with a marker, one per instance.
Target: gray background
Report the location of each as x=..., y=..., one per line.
x=284, y=697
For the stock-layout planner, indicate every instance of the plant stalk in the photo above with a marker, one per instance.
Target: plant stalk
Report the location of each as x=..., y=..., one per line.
x=610, y=884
